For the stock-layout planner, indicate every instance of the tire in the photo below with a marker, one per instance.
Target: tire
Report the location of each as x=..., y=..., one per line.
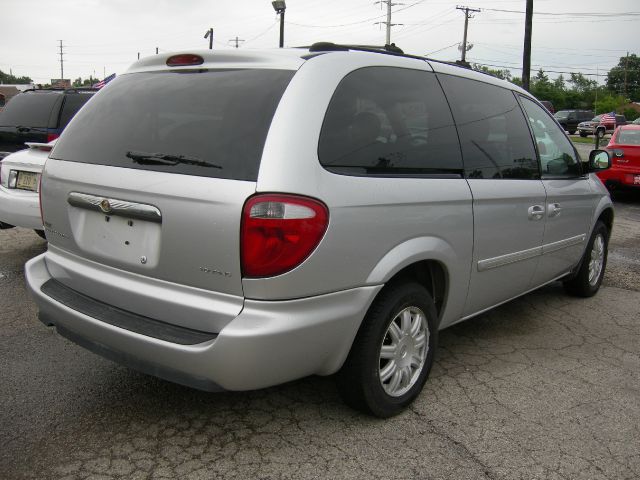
x=588, y=279
x=583, y=134
x=360, y=381
x=572, y=132
x=41, y=233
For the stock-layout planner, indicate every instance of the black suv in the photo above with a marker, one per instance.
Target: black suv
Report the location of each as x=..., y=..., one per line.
x=569, y=119
x=38, y=116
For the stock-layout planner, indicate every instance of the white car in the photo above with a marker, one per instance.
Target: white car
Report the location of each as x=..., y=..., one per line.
x=19, y=181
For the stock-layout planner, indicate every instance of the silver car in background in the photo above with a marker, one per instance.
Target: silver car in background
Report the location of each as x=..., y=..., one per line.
x=19, y=180
x=235, y=220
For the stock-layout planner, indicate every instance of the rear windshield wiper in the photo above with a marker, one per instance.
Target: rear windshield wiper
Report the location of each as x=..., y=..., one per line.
x=22, y=129
x=155, y=158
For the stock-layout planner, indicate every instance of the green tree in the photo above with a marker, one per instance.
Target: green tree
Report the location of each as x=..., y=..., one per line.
x=7, y=78
x=582, y=84
x=616, y=77
x=544, y=89
x=609, y=103
x=503, y=74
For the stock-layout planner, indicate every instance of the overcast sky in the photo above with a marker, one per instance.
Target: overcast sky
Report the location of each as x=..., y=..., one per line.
x=104, y=36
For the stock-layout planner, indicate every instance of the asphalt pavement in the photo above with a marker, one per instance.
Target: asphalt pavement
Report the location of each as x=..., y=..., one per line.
x=544, y=387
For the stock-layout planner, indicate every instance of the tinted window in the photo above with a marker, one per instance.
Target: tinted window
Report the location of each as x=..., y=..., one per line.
x=557, y=155
x=72, y=103
x=213, y=116
x=628, y=137
x=31, y=109
x=389, y=121
x=496, y=142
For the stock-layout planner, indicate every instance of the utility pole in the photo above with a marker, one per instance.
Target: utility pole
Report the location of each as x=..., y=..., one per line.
x=156, y=50
x=61, y=61
x=236, y=41
x=526, y=54
x=468, y=13
x=209, y=35
x=388, y=23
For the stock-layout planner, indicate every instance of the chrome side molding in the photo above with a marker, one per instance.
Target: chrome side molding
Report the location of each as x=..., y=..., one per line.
x=114, y=206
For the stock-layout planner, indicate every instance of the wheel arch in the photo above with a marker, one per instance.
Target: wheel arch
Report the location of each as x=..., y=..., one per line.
x=606, y=216
x=425, y=260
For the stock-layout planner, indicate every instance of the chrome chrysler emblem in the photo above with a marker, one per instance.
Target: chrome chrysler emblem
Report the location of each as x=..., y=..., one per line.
x=105, y=206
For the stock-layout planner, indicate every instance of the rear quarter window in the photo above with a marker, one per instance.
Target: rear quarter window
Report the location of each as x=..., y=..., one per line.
x=389, y=121
x=72, y=103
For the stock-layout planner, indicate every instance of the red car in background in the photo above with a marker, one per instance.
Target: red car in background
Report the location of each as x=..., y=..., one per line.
x=624, y=147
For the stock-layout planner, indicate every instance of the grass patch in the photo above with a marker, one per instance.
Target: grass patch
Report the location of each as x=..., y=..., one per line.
x=590, y=140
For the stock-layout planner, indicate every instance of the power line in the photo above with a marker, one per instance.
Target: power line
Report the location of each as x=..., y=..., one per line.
x=263, y=33
x=572, y=14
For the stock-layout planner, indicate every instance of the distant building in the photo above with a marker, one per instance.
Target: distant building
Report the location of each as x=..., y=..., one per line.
x=60, y=83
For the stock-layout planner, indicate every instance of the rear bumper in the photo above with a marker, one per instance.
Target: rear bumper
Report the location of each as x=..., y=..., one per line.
x=20, y=208
x=620, y=177
x=268, y=343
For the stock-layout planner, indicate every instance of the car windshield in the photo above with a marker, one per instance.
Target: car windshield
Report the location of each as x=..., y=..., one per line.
x=596, y=119
x=562, y=114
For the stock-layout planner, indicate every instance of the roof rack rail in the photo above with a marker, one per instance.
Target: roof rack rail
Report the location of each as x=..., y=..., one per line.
x=388, y=49
x=60, y=89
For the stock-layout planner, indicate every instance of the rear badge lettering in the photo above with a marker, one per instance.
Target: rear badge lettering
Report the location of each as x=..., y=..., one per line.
x=54, y=232
x=213, y=271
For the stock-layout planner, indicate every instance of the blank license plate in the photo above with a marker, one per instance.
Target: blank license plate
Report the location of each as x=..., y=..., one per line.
x=27, y=181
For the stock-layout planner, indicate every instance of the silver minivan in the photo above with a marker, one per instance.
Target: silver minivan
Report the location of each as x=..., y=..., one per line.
x=238, y=219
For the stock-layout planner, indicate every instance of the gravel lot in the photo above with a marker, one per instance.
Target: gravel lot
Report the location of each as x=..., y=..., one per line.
x=546, y=386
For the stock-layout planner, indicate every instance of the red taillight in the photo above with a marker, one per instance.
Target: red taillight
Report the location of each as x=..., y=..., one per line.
x=52, y=136
x=279, y=232
x=184, y=59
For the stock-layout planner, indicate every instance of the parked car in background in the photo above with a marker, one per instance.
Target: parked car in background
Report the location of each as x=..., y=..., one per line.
x=624, y=148
x=548, y=105
x=235, y=220
x=569, y=119
x=19, y=181
x=38, y=115
x=596, y=126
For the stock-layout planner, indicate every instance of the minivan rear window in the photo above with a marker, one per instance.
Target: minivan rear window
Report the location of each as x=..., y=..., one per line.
x=30, y=109
x=215, y=119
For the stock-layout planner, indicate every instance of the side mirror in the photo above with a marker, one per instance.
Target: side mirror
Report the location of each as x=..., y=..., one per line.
x=599, y=160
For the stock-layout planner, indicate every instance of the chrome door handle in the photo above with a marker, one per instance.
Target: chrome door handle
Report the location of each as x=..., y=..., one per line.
x=554, y=209
x=536, y=212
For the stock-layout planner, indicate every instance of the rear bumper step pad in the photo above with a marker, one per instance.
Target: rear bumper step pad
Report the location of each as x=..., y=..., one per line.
x=122, y=318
